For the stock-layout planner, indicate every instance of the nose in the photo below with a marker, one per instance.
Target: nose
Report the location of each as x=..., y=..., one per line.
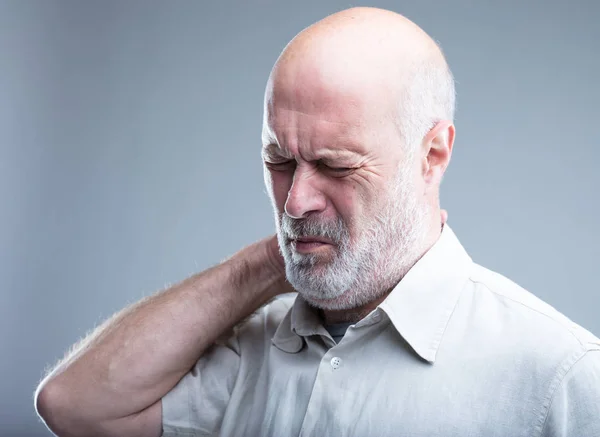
x=304, y=198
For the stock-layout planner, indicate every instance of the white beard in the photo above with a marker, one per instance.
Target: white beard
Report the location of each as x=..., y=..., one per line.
x=361, y=271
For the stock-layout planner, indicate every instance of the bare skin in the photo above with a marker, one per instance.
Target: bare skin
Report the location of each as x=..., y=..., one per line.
x=112, y=382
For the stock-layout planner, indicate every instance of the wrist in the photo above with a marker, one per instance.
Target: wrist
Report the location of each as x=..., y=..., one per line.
x=260, y=270
x=270, y=258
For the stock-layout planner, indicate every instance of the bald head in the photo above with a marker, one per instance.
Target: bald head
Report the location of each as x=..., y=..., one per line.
x=367, y=56
x=373, y=43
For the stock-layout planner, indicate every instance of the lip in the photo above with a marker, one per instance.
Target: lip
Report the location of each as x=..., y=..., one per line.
x=306, y=245
x=308, y=240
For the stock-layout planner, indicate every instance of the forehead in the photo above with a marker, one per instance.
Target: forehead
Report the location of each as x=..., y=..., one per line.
x=296, y=132
x=321, y=119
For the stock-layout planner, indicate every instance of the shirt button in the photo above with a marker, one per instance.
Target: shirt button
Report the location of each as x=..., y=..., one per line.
x=336, y=362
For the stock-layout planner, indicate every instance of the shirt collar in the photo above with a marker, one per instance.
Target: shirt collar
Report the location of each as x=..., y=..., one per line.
x=419, y=307
x=300, y=321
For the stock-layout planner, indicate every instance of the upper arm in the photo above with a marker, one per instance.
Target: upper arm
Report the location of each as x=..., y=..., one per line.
x=575, y=405
x=146, y=423
x=196, y=404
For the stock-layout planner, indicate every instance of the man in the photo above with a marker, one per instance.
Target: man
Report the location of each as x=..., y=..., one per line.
x=394, y=330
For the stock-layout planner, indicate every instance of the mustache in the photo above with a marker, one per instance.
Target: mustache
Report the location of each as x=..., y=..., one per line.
x=334, y=230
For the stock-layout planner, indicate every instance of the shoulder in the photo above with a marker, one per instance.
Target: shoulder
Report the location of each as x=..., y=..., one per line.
x=523, y=314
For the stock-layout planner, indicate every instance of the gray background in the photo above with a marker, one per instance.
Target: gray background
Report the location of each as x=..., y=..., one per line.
x=130, y=138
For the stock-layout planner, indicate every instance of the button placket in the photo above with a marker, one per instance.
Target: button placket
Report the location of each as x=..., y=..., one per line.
x=324, y=384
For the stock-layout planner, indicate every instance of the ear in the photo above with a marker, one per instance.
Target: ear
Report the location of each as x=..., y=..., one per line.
x=437, y=147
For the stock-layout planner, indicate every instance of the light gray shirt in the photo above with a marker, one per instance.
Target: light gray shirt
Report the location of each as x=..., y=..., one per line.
x=455, y=350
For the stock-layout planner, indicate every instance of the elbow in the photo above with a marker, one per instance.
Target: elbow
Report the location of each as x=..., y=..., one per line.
x=47, y=402
x=65, y=420
x=51, y=406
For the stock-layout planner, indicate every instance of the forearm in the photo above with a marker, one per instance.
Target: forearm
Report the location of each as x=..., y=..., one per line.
x=137, y=356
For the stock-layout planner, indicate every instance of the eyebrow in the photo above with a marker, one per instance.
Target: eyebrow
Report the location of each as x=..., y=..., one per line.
x=333, y=154
x=273, y=149
x=323, y=154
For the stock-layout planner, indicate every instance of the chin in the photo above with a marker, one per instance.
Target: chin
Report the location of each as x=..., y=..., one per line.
x=345, y=301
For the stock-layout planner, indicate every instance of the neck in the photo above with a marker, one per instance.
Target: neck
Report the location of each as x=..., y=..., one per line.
x=352, y=315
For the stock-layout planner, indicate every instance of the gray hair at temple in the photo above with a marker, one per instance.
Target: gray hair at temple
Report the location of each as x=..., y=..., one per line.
x=428, y=97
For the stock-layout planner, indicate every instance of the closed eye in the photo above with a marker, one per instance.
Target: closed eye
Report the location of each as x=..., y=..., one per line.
x=281, y=165
x=339, y=169
x=336, y=171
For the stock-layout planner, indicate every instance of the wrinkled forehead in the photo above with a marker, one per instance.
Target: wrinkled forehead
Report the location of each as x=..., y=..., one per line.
x=328, y=105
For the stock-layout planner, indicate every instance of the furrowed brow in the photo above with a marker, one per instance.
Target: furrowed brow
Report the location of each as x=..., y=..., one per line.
x=337, y=155
x=273, y=149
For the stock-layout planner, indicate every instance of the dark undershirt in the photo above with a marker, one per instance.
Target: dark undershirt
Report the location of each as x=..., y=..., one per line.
x=337, y=330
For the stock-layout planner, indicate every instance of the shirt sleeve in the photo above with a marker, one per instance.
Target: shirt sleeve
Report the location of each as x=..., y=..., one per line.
x=196, y=405
x=575, y=407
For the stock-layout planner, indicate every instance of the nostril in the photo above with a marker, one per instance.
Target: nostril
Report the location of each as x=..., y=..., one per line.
x=293, y=211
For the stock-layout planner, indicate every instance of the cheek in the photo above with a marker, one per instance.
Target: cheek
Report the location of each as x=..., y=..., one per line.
x=359, y=205
x=349, y=204
x=346, y=203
